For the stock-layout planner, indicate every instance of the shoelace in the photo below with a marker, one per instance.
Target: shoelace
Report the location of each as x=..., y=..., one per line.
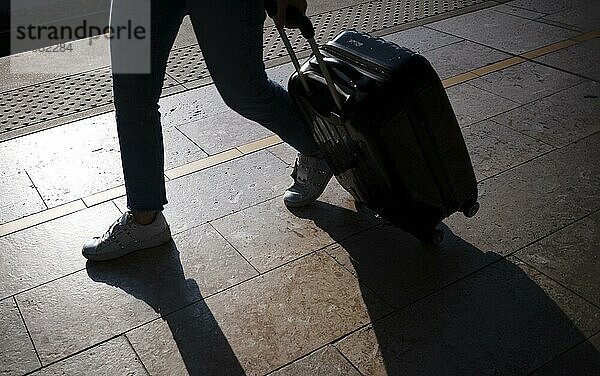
x=306, y=173
x=116, y=228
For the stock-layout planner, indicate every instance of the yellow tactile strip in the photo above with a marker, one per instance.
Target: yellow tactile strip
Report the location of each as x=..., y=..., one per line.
x=587, y=36
x=104, y=196
x=503, y=64
x=201, y=164
x=548, y=49
x=113, y=193
x=494, y=67
x=41, y=217
x=459, y=79
x=240, y=151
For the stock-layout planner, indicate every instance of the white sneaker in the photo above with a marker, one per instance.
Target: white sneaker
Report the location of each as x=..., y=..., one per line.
x=126, y=236
x=311, y=175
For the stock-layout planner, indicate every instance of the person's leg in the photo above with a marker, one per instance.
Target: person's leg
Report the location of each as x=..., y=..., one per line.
x=136, y=97
x=230, y=34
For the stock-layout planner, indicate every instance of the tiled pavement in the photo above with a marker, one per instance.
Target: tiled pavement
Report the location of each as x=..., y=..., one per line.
x=248, y=286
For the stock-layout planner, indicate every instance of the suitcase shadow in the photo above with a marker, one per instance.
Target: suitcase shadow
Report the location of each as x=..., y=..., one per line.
x=451, y=317
x=157, y=278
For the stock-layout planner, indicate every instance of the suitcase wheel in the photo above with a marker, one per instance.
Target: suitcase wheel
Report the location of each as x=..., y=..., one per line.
x=438, y=237
x=470, y=210
x=433, y=238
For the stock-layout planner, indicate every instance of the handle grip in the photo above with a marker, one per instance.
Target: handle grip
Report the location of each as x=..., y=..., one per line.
x=296, y=19
x=293, y=17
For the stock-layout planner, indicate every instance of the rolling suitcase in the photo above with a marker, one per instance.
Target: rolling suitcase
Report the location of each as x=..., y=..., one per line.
x=383, y=120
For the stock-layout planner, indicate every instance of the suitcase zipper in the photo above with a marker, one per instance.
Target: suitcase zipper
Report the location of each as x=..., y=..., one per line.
x=379, y=71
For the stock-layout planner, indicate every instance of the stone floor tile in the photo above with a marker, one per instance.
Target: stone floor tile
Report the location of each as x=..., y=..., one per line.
x=186, y=36
x=9, y=160
x=259, y=325
x=400, y=269
x=64, y=183
x=17, y=355
x=269, y=234
x=582, y=360
x=534, y=199
x=325, y=362
x=516, y=11
x=559, y=119
x=179, y=150
x=198, y=263
x=284, y=152
x=526, y=82
x=112, y=297
x=74, y=312
x=75, y=160
x=502, y=31
x=462, y=57
x=50, y=250
x=585, y=17
x=545, y=6
x=187, y=342
x=472, y=104
x=421, y=39
x=18, y=197
x=580, y=59
x=68, y=168
x=115, y=357
x=223, y=131
x=570, y=256
x=69, y=162
x=505, y=319
x=224, y=189
x=191, y=105
x=495, y=148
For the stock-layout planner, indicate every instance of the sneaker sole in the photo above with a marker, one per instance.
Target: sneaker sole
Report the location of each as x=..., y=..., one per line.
x=301, y=204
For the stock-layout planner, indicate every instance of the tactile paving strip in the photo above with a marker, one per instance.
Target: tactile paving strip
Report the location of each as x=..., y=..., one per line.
x=187, y=64
x=53, y=99
x=68, y=96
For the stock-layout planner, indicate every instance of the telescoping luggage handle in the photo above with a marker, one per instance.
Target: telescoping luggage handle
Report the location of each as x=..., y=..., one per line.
x=297, y=19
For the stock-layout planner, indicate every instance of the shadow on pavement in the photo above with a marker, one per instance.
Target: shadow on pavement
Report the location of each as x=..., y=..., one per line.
x=497, y=321
x=502, y=320
x=158, y=279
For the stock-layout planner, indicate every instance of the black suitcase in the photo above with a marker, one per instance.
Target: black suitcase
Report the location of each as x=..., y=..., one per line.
x=383, y=120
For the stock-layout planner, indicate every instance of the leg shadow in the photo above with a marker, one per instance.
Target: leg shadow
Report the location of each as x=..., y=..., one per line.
x=157, y=278
x=504, y=319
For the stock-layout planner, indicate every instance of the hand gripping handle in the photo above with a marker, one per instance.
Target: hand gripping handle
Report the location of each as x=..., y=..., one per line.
x=295, y=19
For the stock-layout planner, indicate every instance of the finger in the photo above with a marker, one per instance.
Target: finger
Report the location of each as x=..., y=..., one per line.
x=302, y=5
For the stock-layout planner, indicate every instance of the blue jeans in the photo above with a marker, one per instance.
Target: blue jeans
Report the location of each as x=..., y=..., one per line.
x=230, y=34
